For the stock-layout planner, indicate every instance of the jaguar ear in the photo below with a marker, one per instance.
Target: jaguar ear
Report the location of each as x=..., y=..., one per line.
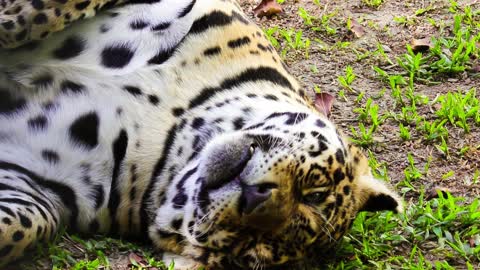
x=376, y=195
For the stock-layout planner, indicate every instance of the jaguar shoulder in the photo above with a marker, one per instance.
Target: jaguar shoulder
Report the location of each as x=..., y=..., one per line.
x=173, y=121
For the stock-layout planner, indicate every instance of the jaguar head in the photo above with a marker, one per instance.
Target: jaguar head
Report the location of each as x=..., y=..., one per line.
x=274, y=193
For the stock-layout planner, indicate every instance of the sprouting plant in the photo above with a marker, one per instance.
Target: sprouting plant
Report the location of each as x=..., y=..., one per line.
x=395, y=82
x=413, y=173
x=370, y=114
x=364, y=136
x=404, y=20
x=307, y=18
x=422, y=11
x=379, y=170
x=318, y=24
x=453, y=55
x=341, y=94
x=448, y=175
x=359, y=98
x=307, y=48
x=434, y=130
x=409, y=115
x=453, y=6
x=347, y=80
x=404, y=132
x=326, y=24
x=381, y=51
x=294, y=40
x=458, y=108
x=412, y=62
x=88, y=265
x=270, y=34
x=476, y=177
x=443, y=148
x=414, y=98
x=463, y=150
x=373, y=3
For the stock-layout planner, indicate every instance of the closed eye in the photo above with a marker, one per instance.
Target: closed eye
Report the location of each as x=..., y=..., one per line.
x=315, y=198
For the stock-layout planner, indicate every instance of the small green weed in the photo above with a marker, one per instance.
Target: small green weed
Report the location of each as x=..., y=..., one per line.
x=449, y=55
x=404, y=132
x=412, y=173
x=289, y=39
x=443, y=147
x=89, y=265
x=459, y=108
x=370, y=114
x=405, y=20
x=379, y=169
x=434, y=130
x=373, y=3
x=347, y=80
x=323, y=24
x=364, y=135
x=270, y=33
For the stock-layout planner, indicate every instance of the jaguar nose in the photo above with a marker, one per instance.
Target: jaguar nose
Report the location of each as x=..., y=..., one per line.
x=228, y=163
x=254, y=195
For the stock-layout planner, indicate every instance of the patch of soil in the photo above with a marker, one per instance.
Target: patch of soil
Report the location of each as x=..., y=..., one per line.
x=381, y=28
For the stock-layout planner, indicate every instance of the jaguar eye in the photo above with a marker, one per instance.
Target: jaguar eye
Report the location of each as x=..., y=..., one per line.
x=315, y=198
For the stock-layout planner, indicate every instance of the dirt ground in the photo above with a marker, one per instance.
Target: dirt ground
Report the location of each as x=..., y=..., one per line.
x=327, y=61
x=381, y=28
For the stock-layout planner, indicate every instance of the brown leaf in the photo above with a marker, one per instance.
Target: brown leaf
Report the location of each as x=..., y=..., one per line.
x=474, y=241
x=421, y=45
x=471, y=242
x=324, y=103
x=267, y=8
x=356, y=28
x=137, y=260
x=476, y=67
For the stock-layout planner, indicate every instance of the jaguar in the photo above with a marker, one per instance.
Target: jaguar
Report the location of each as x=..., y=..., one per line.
x=169, y=121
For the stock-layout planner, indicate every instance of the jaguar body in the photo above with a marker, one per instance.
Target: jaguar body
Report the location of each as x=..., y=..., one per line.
x=173, y=121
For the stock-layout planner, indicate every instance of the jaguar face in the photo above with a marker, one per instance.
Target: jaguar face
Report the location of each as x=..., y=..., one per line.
x=277, y=191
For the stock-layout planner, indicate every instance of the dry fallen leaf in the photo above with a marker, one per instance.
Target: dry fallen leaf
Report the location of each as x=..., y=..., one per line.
x=474, y=241
x=421, y=45
x=324, y=103
x=356, y=28
x=137, y=260
x=267, y=8
x=476, y=67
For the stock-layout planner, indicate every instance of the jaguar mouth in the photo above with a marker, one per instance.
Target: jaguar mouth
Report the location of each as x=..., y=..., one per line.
x=230, y=167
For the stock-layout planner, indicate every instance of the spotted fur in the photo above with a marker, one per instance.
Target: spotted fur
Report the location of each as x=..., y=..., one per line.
x=173, y=121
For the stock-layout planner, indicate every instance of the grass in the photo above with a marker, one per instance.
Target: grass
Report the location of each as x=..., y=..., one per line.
x=439, y=233
x=68, y=251
x=435, y=232
x=447, y=223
